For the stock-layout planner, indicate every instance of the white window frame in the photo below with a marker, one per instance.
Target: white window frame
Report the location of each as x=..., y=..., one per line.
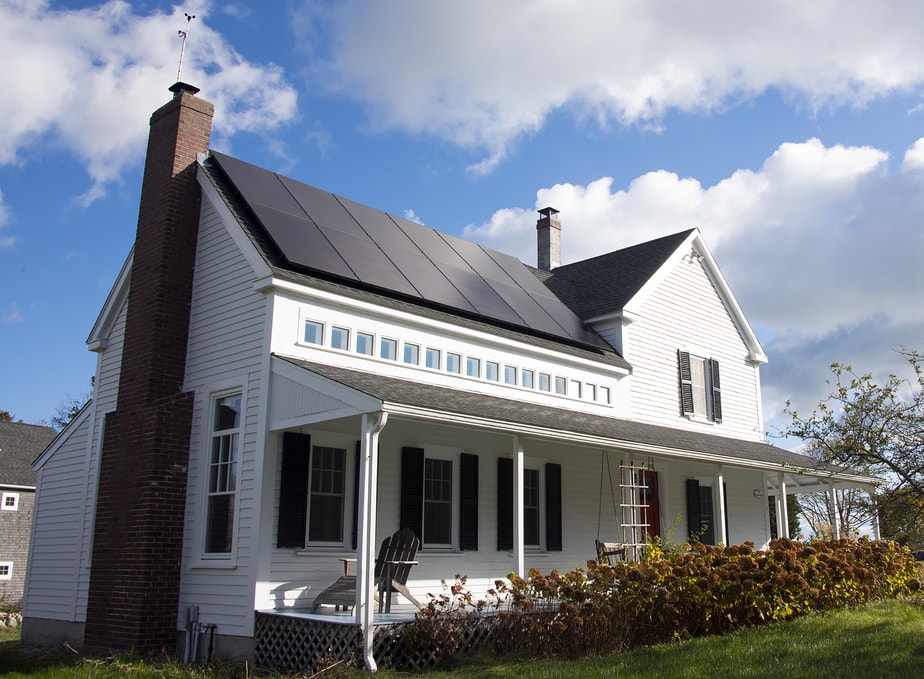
x=392, y=344
x=9, y=502
x=473, y=367
x=345, y=497
x=226, y=558
x=320, y=332
x=490, y=366
x=336, y=330
x=411, y=348
x=454, y=503
x=365, y=343
x=528, y=378
x=453, y=362
x=510, y=374
x=433, y=352
x=8, y=565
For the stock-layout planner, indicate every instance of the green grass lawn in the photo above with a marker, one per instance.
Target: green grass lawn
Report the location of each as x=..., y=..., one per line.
x=879, y=641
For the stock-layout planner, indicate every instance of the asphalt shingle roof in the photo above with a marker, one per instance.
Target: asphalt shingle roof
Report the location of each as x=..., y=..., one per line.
x=20, y=444
x=605, y=284
x=406, y=392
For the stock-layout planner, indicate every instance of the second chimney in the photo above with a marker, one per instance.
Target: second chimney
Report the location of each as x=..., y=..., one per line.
x=548, y=239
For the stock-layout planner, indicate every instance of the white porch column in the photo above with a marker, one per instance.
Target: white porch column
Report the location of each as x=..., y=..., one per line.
x=365, y=540
x=722, y=533
x=874, y=520
x=518, y=465
x=782, y=510
x=835, y=513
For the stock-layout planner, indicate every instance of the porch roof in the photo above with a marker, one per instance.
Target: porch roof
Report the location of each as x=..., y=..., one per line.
x=454, y=406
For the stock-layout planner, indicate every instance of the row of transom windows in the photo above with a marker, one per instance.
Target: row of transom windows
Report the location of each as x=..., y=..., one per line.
x=364, y=343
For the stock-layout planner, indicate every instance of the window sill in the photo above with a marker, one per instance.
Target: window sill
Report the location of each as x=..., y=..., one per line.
x=214, y=564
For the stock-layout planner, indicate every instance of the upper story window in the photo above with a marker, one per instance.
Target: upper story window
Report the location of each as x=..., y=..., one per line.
x=411, y=354
x=339, y=338
x=222, y=474
x=545, y=382
x=6, y=570
x=561, y=386
x=700, y=389
x=9, y=502
x=510, y=374
x=473, y=367
x=388, y=349
x=433, y=358
x=528, y=378
x=453, y=362
x=364, y=343
x=314, y=332
x=491, y=371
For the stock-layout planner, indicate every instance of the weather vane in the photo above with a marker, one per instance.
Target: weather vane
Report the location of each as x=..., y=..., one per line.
x=184, y=35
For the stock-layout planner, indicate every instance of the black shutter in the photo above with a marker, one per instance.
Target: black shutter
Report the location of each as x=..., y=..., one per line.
x=355, y=540
x=293, y=490
x=694, y=520
x=412, y=469
x=716, y=390
x=504, y=504
x=468, y=490
x=553, y=504
x=686, y=383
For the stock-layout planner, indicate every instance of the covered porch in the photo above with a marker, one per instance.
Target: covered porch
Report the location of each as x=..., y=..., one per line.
x=389, y=416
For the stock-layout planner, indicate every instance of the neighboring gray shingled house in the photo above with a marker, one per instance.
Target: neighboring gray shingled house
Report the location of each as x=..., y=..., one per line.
x=20, y=444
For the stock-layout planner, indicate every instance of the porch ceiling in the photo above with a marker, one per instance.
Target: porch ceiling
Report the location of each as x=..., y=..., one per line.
x=429, y=402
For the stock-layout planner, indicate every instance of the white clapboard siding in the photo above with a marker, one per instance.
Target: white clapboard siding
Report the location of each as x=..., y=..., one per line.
x=224, y=352
x=686, y=312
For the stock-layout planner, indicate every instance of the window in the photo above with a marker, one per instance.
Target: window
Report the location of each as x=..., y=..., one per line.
x=531, y=507
x=412, y=354
x=545, y=382
x=605, y=395
x=9, y=502
x=591, y=392
x=364, y=343
x=325, y=502
x=577, y=388
x=6, y=570
x=510, y=374
x=561, y=386
x=433, y=358
x=473, y=367
x=440, y=508
x=388, y=349
x=339, y=338
x=453, y=363
x=491, y=371
x=528, y=378
x=700, y=513
x=314, y=332
x=700, y=389
x=437, y=523
x=222, y=484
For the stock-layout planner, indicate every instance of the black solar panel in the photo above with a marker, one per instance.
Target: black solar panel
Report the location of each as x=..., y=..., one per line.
x=319, y=231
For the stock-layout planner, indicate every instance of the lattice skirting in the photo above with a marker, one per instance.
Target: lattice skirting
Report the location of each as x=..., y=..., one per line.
x=307, y=644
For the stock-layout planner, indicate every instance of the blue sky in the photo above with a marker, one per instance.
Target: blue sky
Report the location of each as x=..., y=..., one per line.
x=790, y=133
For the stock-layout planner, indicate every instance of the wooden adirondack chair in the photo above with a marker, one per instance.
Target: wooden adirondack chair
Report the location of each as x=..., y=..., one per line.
x=392, y=567
x=610, y=552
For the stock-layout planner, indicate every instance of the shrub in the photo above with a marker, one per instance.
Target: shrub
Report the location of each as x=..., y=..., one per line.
x=707, y=590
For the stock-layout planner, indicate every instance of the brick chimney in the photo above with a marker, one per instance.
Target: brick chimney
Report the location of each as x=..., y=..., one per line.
x=135, y=567
x=548, y=237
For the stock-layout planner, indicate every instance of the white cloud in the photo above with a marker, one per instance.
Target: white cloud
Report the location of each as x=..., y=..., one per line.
x=5, y=241
x=12, y=316
x=88, y=79
x=821, y=246
x=483, y=73
x=914, y=156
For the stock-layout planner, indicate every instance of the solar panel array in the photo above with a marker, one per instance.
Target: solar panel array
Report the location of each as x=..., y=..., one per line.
x=325, y=233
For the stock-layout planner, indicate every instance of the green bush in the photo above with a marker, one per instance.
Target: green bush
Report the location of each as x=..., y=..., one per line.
x=708, y=590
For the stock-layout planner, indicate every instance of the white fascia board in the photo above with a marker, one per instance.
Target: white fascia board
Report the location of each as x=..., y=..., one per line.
x=695, y=241
x=63, y=435
x=99, y=335
x=430, y=325
x=245, y=245
x=598, y=442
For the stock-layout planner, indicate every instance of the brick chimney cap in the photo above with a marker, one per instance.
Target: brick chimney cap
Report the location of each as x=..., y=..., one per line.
x=179, y=87
x=549, y=212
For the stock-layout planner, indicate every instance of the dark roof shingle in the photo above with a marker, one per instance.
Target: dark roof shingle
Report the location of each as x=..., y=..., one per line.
x=20, y=444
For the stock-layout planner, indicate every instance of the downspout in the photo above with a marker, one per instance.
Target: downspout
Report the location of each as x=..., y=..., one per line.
x=372, y=426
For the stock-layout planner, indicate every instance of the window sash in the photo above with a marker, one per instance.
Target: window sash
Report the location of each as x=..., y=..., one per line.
x=437, y=504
